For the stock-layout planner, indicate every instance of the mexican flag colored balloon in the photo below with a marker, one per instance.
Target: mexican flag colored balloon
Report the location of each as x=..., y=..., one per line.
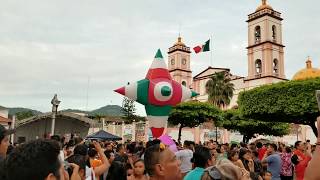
x=158, y=93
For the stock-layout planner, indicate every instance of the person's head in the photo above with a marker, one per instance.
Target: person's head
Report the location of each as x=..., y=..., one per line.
x=81, y=149
x=117, y=171
x=252, y=147
x=92, y=152
x=272, y=148
x=4, y=140
x=202, y=157
x=255, y=154
x=129, y=169
x=233, y=147
x=233, y=155
x=215, y=152
x=110, y=155
x=222, y=149
x=224, y=169
x=288, y=149
x=244, y=154
x=108, y=146
x=120, y=149
x=267, y=175
x=259, y=145
x=138, y=167
x=299, y=145
x=81, y=162
x=56, y=138
x=243, y=145
x=77, y=140
x=130, y=148
x=153, y=142
x=161, y=162
x=36, y=160
x=186, y=144
x=212, y=145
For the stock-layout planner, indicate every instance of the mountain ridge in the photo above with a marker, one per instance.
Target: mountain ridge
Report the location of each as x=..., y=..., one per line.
x=108, y=110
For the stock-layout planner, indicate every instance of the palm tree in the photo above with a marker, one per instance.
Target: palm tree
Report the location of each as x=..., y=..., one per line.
x=220, y=89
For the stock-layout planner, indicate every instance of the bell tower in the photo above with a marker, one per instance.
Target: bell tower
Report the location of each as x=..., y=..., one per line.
x=265, y=48
x=179, y=63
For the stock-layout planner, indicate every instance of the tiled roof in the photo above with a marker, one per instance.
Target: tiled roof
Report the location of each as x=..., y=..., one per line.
x=3, y=119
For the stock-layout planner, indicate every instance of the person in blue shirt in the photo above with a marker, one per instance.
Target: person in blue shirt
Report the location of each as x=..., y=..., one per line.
x=274, y=161
x=201, y=159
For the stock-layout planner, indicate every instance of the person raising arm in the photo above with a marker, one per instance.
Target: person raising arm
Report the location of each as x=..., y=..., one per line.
x=99, y=170
x=312, y=172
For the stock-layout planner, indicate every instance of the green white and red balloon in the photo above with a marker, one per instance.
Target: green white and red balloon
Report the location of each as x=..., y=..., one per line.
x=158, y=93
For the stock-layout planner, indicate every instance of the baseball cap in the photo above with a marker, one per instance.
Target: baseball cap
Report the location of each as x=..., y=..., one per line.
x=4, y=131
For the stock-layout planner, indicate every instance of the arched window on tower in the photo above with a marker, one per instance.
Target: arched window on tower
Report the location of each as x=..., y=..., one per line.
x=184, y=61
x=257, y=34
x=172, y=61
x=275, y=67
x=274, y=33
x=258, y=64
x=184, y=83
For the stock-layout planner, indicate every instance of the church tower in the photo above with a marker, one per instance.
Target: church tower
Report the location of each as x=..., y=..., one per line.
x=179, y=63
x=265, y=48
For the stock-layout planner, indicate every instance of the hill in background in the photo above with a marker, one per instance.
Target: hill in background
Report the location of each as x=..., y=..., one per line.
x=108, y=110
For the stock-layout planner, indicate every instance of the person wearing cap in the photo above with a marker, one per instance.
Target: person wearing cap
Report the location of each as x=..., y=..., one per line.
x=4, y=140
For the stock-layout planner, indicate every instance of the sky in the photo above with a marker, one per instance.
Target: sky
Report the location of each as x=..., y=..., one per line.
x=84, y=49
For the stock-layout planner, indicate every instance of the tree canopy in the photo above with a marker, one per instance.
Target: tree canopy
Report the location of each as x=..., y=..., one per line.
x=292, y=102
x=128, y=109
x=192, y=113
x=24, y=114
x=232, y=120
x=220, y=89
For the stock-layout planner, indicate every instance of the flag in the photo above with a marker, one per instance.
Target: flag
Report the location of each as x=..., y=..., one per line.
x=202, y=48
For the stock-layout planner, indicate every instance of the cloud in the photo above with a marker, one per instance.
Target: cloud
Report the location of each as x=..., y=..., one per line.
x=49, y=47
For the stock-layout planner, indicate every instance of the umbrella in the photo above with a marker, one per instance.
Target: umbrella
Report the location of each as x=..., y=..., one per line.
x=103, y=135
x=167, y=140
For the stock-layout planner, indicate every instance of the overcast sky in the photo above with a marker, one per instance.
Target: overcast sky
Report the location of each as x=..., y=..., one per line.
x=56, y=46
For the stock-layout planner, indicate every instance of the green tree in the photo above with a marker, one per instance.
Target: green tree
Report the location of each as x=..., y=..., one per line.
x=24, y=115
x=232, y=120
x=192, y=114
x=291, y=102
x=98, y=117
x=220, y=89
x=128, y=109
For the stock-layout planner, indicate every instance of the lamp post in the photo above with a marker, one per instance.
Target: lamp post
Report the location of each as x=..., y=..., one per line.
x=55, y=103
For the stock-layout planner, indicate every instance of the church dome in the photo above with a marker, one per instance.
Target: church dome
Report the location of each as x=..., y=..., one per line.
x=264, y=5
x=308, y=72
x=179, y=42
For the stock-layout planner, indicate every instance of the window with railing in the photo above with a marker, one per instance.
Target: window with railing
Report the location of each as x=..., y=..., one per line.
x=257, y=34
x=275, y=67
x=274, y=33
x=258, y=64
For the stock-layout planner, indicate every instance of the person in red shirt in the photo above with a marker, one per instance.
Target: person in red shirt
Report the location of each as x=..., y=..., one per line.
x=261, y=150
x=304, y=156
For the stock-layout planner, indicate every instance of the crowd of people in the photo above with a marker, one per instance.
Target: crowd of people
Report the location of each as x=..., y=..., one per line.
x=79, y=159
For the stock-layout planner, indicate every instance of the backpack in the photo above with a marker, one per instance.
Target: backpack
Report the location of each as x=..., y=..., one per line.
x=295, y=159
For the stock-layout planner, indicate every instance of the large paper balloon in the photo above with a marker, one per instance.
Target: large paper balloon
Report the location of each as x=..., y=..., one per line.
x=158, y=93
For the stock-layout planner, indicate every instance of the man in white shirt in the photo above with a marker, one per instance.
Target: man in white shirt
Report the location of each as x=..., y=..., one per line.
x=185, y=157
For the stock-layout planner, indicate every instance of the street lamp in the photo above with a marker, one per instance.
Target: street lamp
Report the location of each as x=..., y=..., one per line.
x=55, y=103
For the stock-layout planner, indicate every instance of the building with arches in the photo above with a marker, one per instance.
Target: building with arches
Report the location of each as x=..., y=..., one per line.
x=265, y=57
